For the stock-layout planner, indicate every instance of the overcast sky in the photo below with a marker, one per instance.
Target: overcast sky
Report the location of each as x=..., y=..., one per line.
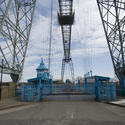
x=89, y=48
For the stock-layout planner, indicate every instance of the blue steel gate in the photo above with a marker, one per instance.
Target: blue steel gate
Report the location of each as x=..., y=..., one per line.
x=36, y=93
x=100, y=87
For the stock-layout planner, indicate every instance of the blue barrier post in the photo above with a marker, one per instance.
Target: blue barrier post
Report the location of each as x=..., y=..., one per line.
x=39, y=89
x=108, y=92
x=79, y=85
x=50, y=85
x=32, y=95
x=113, y=92
x=97, y=90
x=23, y=93
x=85, y=86
x=122, y=86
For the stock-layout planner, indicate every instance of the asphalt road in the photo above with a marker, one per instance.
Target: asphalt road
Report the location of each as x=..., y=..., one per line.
x=72, y=112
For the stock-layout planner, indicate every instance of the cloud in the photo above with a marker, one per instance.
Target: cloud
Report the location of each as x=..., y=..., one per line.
x=88, y=40
x=88, y=36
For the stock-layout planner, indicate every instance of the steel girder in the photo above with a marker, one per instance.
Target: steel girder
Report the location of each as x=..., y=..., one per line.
x=66, y=20
x=113, y=18
x=71, y=69
x=15, y=25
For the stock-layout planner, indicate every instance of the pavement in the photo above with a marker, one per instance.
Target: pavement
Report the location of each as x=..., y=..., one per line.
x=120, y=102
x=12, y=103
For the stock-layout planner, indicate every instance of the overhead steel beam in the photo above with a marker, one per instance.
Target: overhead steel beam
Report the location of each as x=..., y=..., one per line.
x=66, y=20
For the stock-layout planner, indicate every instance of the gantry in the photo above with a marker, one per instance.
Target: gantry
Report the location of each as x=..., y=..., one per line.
x=66, y=20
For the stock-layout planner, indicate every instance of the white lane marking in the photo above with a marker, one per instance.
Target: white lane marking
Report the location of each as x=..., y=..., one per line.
x=72, y=115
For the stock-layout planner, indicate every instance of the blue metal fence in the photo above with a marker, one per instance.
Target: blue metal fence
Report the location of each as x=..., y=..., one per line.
x=106, y=92
x=66, y=87
x=89, y=88
x=29, y=93
x=36, y=93
x=103, y=90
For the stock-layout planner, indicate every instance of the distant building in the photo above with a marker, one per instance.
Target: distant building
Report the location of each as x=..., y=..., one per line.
x=79, y=78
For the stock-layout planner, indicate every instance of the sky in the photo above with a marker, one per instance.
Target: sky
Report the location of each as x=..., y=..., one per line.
x=89, y=48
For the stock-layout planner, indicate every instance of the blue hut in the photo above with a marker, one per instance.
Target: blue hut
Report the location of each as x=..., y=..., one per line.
x=42, y=71
x=39, y=86
x=42, y=74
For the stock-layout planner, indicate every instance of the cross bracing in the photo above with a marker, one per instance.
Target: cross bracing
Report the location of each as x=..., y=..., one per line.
x=15, y=25
x=113, y=18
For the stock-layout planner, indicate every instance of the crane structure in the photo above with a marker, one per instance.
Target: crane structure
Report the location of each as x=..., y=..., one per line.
x=113, y=18
x=15, y=25
x=66, y=20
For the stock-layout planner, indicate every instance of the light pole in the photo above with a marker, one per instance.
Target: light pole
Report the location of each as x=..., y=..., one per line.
x=1, y=71
x=1, y=76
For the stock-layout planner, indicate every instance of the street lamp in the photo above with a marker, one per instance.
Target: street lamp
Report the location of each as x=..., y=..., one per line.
x=1, y=71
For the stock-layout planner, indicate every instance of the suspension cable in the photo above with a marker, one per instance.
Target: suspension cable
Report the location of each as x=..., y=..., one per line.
x=50, y=40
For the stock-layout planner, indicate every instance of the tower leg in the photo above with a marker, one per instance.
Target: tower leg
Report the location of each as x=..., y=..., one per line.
x=72, y=70
x=14, y=77
x=63, y=69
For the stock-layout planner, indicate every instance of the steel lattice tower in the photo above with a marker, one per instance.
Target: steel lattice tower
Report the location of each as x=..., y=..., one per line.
x=15, y=25
x=66, y=20
x=113, y=18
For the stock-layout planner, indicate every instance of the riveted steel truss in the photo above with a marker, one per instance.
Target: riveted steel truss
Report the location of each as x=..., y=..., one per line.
x=113, y=18
x=70, y=63
x=15, y=25
x=66, y=19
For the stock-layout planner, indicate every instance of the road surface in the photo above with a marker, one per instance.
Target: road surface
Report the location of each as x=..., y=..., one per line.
x=70, y=112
